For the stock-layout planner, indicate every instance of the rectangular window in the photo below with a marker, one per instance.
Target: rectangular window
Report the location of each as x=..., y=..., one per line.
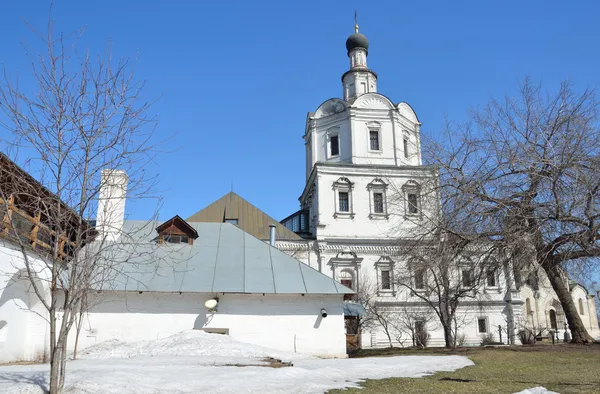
x=406, y=148
x=344, y=202
x=176, y=239
x=374, y=139
x=491, y=278
x=385, y=280
x=378, y=203
x=413, y=203
x=335, y=145
x=482, y=325
x=420, y=279
x=232, y=221
x=467, y=278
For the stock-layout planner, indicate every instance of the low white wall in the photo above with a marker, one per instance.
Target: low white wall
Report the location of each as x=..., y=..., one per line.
x=23, y=318
x=284, y=322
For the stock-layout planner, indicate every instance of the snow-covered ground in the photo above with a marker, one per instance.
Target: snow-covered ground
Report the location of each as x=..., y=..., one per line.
x=193, y=362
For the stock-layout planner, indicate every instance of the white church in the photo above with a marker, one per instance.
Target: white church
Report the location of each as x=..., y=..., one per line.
x=291, y=285
x=362, y=201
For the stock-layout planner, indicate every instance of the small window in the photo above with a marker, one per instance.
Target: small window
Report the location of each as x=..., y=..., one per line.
x=232, y=221
x=406, y=148
x=344, y=203
x=374, y=139
x=581, y=306
x=176, y=239
x=385, y=280
x=413, y=203
x=335, y=145
x=491, y=278
x=467, y=278
x=482, y=325
x=420, y=279
x=378, y=203
x=528, y=306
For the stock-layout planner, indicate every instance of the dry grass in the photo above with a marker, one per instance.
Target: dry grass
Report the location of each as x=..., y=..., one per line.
x=561, y=368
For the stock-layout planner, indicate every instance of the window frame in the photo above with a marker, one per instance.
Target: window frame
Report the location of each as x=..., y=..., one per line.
x=333, y=132
x=385, y=263
x=424, y=278
x=377, y=185
x=486, y=325
x=412, y=187
x=405, y=142
x=471, y=277
x=494, y=275
x=343, y=185
x=374, y=127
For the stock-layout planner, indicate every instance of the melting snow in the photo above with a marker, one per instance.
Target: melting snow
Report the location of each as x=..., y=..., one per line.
x=193, y=362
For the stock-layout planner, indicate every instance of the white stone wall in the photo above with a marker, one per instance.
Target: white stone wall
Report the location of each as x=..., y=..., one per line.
x=23, y=324
x=360, y=224
x=285, y=322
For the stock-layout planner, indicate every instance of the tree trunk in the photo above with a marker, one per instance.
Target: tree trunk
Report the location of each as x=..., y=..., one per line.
x=54, y=360
x=448, y=337
x=578, y=331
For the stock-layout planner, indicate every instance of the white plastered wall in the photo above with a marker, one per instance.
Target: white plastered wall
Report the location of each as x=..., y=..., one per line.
x=284, y=322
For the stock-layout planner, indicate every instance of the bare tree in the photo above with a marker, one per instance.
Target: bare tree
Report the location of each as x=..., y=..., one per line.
x=528, y=170
x=414, y=321
x=377, y=313
x=85, y=115
x=445, y=274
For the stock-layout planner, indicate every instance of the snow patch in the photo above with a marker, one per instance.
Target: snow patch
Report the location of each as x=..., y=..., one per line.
x=537, y=390
x=185, y=343
x=185, y=374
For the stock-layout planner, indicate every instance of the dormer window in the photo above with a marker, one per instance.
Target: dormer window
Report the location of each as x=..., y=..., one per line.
x=176, y=231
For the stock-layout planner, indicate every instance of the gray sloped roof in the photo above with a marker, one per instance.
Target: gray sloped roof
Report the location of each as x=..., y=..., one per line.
x=223, y=259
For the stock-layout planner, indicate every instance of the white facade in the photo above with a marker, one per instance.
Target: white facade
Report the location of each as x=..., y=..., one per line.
x=363, y=145
x=290, y=323
x=24, y=329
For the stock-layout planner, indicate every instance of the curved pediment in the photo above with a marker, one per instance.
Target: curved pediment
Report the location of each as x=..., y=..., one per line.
x=406, y=110
x=330, y=107
x=373, y=101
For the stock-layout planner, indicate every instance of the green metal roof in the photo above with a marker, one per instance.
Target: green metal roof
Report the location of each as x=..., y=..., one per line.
x=223, y=259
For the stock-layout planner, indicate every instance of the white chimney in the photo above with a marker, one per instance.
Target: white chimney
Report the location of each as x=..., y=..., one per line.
x=111, y=203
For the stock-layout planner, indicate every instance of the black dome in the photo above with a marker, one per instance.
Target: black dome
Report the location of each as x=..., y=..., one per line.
x=357, y=40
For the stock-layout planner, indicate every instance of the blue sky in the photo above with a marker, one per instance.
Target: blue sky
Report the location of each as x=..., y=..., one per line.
x=237, y=78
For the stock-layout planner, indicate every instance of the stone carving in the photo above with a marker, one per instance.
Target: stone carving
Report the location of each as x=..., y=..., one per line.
x=373, y=102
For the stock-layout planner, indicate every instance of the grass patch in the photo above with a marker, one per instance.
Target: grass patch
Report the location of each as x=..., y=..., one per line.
x=561, y=368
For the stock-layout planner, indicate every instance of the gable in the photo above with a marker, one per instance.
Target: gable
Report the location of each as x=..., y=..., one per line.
x=249, y=218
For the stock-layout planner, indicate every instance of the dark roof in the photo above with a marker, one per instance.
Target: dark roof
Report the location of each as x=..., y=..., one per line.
x=357, y=40
x=223, y=259
x=250, y=219
x=180, y=224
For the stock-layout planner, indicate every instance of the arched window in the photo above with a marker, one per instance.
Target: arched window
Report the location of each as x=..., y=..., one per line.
x=528, y=307
x=581, y=307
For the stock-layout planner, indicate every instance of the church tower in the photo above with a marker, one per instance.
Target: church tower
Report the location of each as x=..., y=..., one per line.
x=363, y=160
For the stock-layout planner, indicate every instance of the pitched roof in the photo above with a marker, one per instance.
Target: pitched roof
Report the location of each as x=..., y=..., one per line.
x=223, y=259
x=250, y=219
